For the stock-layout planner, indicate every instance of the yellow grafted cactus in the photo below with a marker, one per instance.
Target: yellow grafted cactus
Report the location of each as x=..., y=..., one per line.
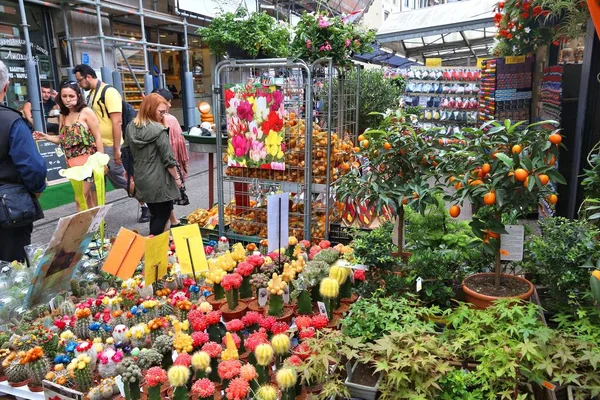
x=226, y=262
x=289, y=273
x=276, y=285
x=281, y=343
x=230, y=352
x=200, y=360
x=340, y=274
x=239, y=253
x=264, y=354
x=286, y=378
x=330, y=288
x=178, y=375
x=266, y=392
x=205, y=307
x=183, y=343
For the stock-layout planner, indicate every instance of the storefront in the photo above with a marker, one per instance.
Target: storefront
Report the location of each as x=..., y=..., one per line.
x=13, y=48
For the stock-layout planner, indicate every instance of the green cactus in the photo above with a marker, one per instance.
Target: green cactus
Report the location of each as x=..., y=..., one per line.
x=132, y=375
x=149, y=358
x=82, y=328
x=16, y=372
x=67, y=308
x=164, y=345
x=83, y=378
x=51, y=347
x=75, y=288
x=38, y=370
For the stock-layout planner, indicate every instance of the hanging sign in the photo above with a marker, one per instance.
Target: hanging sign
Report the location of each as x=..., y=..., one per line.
x=433, y=62
x=514, y=60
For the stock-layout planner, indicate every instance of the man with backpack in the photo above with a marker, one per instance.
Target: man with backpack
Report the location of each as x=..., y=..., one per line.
x=114, y=115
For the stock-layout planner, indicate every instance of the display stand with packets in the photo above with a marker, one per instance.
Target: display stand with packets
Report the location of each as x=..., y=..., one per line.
x=447, y=96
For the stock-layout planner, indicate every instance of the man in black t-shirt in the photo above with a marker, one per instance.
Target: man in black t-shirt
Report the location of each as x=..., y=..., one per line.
x=48, y=103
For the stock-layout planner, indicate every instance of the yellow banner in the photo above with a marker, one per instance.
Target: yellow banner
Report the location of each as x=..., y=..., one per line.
x=433, y=62
x=188, y=242
x=156, y=261
x=514, y=60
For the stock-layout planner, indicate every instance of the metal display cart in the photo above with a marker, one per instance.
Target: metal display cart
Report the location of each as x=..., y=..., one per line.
x=242, y=192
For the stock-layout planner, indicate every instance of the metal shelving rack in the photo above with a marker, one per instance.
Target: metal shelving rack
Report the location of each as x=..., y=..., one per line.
x=249, y=187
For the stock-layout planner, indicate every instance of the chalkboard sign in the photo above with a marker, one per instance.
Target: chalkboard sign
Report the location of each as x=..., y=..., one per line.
x=55, y=160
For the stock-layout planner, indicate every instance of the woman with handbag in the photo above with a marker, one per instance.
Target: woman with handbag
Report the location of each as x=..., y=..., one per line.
x=157, y=181
x=78, y=133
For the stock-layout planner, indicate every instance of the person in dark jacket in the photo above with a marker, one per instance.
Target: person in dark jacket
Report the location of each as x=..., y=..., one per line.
x=156, y=179
x=20, y=163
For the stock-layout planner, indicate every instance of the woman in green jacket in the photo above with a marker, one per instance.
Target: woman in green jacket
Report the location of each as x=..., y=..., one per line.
x=156, y=179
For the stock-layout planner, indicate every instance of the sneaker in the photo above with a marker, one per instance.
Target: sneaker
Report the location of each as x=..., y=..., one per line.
x=145, y=217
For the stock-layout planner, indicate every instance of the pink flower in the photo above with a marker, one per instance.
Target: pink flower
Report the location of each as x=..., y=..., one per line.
x=279, y=327
x=236, y=340
x=203, y=388
x=213, y=317
x=235, y=325
x=308, y=43
x=199, y=338
x=348, y=42
x=232, y=281
x=240, y=145
x=256, y=260
x=303, y=322
x=323, y=23
x=197, y=320
x=237, y=389
x=251, y=318
x=213, y=349
x=357, y=42
x=305, y=243
x=156, y=376
x=324, y=244
x=248, y=372
x=319, y=321
x=229, y=369
x=245, y=112
x=117, y=357
x=256, y=338
x=294, y=360
x=258, y=151
x=277, y=100
x=183, y=359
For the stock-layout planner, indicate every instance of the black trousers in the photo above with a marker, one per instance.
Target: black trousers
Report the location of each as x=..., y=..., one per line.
x=13, y=241
x=159, y=215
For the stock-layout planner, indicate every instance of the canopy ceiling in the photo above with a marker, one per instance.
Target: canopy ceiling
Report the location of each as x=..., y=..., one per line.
x=458, y=32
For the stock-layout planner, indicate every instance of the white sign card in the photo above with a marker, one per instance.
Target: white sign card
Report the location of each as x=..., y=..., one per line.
x=52, y=391
x=278, y=220
x=322, y=308
x=263, y=296
x=512, y=244
x=286, y=295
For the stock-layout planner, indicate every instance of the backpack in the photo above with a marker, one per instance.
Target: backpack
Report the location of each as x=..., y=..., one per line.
x=128, y=113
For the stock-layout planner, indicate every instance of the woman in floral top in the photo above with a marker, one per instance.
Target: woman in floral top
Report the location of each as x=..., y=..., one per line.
x=78, y=134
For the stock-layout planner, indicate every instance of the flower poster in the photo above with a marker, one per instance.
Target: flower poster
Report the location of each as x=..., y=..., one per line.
x=255, y=127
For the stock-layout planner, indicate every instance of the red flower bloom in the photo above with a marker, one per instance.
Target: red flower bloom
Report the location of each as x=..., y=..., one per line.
x=359, y=275
x=497, y=17
x=256, y=338
x=303, y=322
x=324, y=244
x=279, y=327
x=501, y=5
x=197, y=320
x=525, y=15
x=237, y=389
x=183, y=359
x=245, y=111
x=272, y=123
x=319, y=321
x=231, y=281
x=213, y=317
x=229, y=369
x=267, y=322
x=229, y=94
x=60, y=324
x=537, y=10
x=256, y=260
x=203, y=388
x=199, y=338
x=213, y=349
x=234, y=325
x=526, y=6
x=244, y=268
x=307, y=333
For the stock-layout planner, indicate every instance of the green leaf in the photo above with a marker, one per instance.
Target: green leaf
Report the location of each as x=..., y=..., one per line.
x=505, y=159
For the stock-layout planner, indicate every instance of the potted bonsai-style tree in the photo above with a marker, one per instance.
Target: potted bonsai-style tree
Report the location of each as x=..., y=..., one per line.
x=401, y=165
x=502, y=170
x=246, y=35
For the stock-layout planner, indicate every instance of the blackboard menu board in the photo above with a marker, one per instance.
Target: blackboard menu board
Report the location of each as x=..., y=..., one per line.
x=55, y=160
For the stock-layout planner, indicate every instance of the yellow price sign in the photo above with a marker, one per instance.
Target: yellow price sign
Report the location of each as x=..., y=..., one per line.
x=514, y=60
x=433, y=62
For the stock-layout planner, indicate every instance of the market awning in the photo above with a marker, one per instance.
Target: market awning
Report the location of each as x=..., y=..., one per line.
x=458, y=32
x=384, y=57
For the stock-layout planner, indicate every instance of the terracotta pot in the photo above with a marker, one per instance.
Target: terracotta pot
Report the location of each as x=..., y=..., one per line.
x=288, y=313
x=238, y=313
x=253, y=306
x=483, y=301
x=35, y=388
x=3, y=378
x=216, y=304
x=19, y=384
x=351, y=299
x=334, y=321
x=343, y=308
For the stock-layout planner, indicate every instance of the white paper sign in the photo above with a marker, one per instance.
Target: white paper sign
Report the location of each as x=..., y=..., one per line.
x=286, y=295
x=419, y=284
x=120, y=385
x=361, y=267
x=322, y=308
x=278, y=220
x=263, y=296
x=512, y=244
x=54, y=391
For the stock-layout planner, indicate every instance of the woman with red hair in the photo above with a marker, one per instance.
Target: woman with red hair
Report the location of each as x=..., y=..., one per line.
x=156, y=179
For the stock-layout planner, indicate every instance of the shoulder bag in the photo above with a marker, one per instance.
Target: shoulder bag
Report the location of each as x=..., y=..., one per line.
x=18, y=207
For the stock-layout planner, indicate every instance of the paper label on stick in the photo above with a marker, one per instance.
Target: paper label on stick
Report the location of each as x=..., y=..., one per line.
x=322, y=308
x=278, y=220
x=286, y=295
x=51, y=304
x=361, y=267
x=511, y=245
x=156, y=259
x=263, y=296
x=190, y=249
x=419, y=284
x=120, y=385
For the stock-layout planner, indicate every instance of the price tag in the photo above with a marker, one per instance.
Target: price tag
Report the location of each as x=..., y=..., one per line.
x=512, y=243
x=419, y=284
x=286, y=295
x=263, y=296
x=174, y=355
x=120, y=385
x=51, y=304
x=322, y=308
x=549, y=385
x=361, y=267
x=514, y=60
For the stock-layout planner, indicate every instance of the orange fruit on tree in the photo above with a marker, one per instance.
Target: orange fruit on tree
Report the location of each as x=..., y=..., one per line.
x=361, y=138
x=364, y=144
x=404, y=201
x=356, y=149
x=454, y=211
x=486, y=168
x=521, y=174
x=596, y=274
x=415, y=195
x=451, y=179
x=517, y=149
x=493, y=235
x=544, y=179
x=489, y=199
x=476, y=182
x=552, y=198
x=551, y=160
x=526, y=182
x=458, y=185
x=555, y=138
x=387, y=146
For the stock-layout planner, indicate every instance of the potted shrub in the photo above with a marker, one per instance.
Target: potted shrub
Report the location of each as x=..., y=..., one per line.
x=246, y=35
x=502, y=170
x=363, y=381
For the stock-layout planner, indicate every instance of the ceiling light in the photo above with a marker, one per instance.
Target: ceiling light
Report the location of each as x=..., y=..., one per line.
x=163, y=36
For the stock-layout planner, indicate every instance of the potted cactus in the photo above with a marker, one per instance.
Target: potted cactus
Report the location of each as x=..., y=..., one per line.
x=281, y=345
x=80, y=370
x=16, y=373
x=277, y=286
x=132, y=375
x=264, y=357
x=155, y=378
x=164, y=345
x=286, y=380
x=201, y=364
x=178, y=378
x=329, y=290
x=37, y=366
x=82, y=325
x=233, y=309
x=204, y=389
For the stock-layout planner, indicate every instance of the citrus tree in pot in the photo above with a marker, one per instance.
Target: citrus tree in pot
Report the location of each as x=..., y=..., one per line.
x=399, y=169
x=502, y=169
